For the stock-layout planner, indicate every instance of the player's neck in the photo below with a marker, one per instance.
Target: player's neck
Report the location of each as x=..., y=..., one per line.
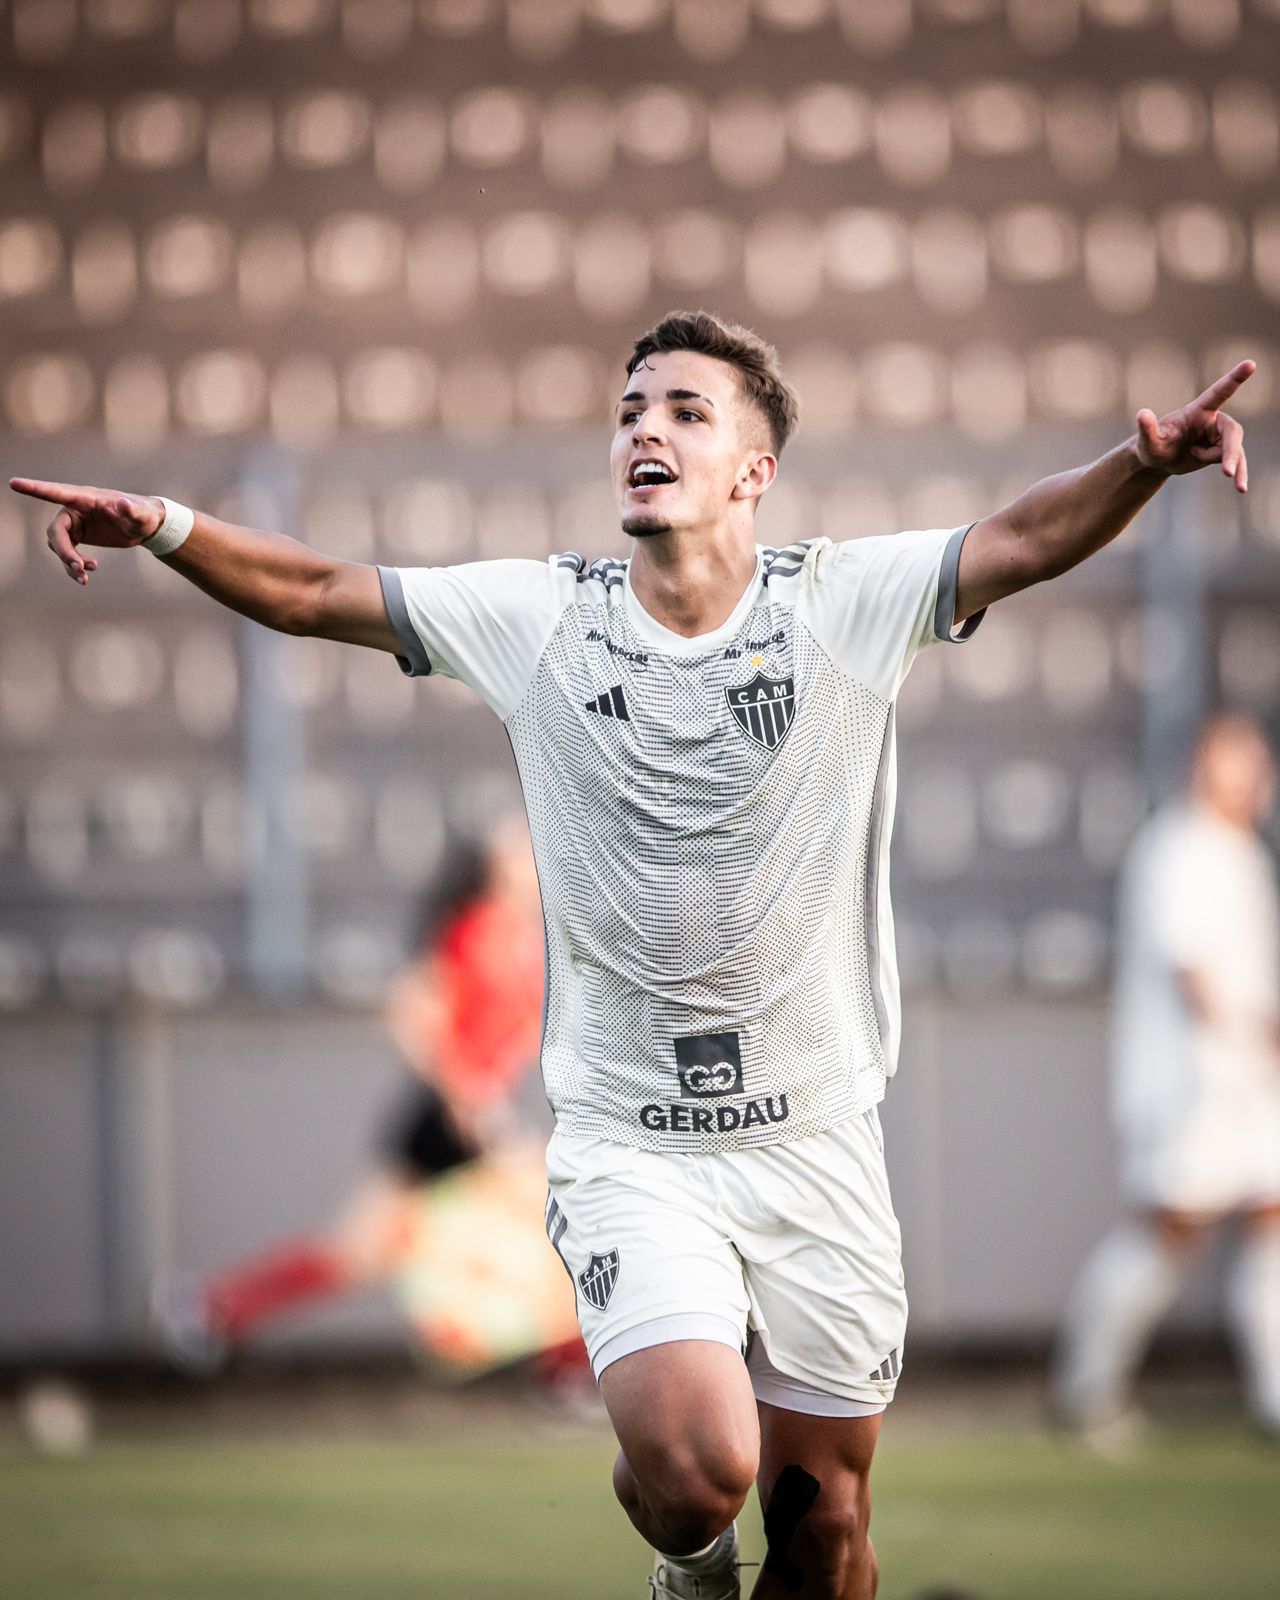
x=691, y=580
x=1225, y=815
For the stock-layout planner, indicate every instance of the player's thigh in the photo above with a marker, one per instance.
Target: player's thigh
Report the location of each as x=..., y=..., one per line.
x=686, y=1418
x=815, y=1488
x=373, y=1231
x=822, y=1254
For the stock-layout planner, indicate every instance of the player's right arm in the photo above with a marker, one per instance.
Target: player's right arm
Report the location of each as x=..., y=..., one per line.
x=268, y=577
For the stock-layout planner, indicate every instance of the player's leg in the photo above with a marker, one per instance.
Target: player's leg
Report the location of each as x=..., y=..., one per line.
x=663, y=1308
x=201, y=1325
x=815, y=1225
x=359, y=1248
x=1127, y=1285
x=685, y=1417
x=1254, y=1301
x=373, y=1231
x=815, y=1488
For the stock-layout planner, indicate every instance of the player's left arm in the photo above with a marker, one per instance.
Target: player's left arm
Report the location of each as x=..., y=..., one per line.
x=1062, y=520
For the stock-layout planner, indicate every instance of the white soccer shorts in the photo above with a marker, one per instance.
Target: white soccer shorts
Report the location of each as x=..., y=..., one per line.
x=794, y=1244
x=1222, y=1155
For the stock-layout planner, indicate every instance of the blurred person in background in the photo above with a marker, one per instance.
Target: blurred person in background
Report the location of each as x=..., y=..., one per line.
x=1196, y=1086
x=465, y=1015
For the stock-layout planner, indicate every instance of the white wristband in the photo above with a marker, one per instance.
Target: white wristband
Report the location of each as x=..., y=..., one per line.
x=178, y=523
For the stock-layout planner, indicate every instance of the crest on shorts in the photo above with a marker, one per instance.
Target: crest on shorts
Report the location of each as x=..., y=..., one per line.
x=764, y=708
x=599, y=1277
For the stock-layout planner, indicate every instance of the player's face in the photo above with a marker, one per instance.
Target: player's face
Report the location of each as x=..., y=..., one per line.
x=687, y=445
x=1237, y=774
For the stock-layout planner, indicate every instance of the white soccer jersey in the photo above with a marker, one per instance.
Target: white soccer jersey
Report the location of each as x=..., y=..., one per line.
x=710, y=819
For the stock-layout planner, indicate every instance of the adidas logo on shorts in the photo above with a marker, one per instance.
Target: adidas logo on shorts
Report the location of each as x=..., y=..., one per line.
x=889, y=1368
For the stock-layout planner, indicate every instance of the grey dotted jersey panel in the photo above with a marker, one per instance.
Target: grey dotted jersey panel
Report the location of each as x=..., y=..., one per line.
x=702, y=827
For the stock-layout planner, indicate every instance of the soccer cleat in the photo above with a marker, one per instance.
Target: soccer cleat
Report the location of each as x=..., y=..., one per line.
x=1113, y=1434
x=670, y=1581
x=192, y=1341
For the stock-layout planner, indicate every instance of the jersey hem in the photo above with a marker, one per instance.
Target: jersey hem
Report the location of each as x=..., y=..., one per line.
x=589, y=1124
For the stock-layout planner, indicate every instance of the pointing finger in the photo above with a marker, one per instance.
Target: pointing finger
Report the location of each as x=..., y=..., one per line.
x=1217, y=394
x=79, y=496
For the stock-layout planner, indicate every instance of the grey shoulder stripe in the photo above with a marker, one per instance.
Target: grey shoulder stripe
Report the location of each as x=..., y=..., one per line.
x=414, y=662
x=786, y=563
x=948, y=585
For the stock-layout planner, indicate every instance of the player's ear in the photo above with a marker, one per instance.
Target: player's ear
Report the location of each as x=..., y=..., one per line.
x=755, y=475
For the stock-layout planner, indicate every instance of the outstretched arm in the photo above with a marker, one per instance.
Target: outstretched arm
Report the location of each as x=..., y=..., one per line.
x=267, y=576
x=1060, y=521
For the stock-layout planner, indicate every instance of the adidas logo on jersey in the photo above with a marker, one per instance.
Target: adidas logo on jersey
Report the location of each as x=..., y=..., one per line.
x=611, y=704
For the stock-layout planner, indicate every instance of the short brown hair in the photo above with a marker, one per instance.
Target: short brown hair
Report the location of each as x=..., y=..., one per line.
x=757, y=363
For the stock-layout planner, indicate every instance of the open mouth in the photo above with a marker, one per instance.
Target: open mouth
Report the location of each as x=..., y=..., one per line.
x=649, y=475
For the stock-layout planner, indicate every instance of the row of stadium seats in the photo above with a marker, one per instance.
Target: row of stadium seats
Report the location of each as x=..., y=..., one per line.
x=95, y=833
x=916, y=133
x=951, y=260
x=1053, y=951
x=174, y=964
x=207, y=30
x=988, y=390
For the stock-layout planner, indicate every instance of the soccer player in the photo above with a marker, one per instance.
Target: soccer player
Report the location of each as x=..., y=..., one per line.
x=1196, y=1086
x=465, y=1016
x=705, y=737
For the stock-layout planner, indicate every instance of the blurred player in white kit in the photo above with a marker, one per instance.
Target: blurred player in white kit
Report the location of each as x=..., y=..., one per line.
x=1196, y=1084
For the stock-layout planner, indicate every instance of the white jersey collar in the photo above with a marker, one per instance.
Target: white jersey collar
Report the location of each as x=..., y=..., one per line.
x=678, y=644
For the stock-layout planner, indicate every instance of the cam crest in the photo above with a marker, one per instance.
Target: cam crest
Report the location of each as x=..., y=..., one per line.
x=598, y=1278
x=764, y=708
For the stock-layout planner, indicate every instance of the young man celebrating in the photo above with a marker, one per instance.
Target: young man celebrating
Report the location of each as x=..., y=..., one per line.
x=705, y=739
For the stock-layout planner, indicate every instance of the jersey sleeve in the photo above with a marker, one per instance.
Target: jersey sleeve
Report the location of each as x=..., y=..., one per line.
x=485, y=623
x=875, y=603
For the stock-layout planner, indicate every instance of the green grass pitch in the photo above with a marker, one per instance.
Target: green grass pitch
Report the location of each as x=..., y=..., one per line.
x=488, y=1514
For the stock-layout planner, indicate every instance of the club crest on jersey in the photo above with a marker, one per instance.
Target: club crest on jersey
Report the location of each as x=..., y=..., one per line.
x=598, y=1278
x=764, y=708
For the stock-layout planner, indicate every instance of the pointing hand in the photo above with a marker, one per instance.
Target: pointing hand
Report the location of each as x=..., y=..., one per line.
x=1201, y=433
x=91, y=516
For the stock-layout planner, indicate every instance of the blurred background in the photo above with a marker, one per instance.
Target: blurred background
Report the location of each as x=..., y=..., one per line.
x=367, y=271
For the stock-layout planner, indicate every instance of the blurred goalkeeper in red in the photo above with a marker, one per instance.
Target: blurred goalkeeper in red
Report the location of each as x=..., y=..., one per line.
x=465, y=1014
